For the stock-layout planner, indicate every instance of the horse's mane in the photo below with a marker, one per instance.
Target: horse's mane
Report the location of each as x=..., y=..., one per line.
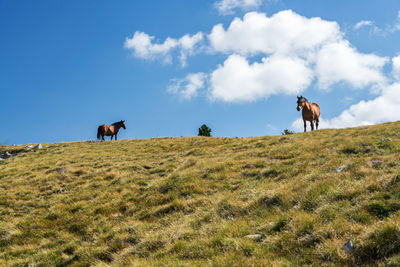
x=303, y=98
x=116, y=123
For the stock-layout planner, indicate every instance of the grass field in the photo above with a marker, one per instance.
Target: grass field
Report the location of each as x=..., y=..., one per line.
x=193, y=201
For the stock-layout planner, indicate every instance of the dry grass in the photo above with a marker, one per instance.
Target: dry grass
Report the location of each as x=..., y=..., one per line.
x=192, y=200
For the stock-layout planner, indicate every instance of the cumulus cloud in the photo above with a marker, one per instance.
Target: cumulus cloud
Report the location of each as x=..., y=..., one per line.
x=340, y=61
x=142, y=46
x=362, y=23
x=396, y=67
x=188, y=87
x=237, y=80
x=226, y=7
x=188, y=44
x=284, y=32
x=294, y=51
x=306, y=48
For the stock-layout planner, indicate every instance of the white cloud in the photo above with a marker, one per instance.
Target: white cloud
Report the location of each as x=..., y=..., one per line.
x=396, y=67
x=143, y=47
x=226, y=7
x=284, y=32
x=363, y=23
x=395, y=26
x=295, y=51
x=312, y=43
x=237, y=80
x=188, y=87
x=388, y=28
x=341, y=62
x=189, y=46
x=383, y=108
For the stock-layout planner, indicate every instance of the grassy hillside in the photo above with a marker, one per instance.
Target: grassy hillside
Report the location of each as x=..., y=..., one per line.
x=194, y=201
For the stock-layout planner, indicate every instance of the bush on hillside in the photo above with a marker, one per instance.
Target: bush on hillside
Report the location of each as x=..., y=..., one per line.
x=286, y=131
x=204, y=130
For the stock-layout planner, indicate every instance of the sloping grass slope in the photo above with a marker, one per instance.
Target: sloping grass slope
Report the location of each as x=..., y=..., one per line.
x=195, y=200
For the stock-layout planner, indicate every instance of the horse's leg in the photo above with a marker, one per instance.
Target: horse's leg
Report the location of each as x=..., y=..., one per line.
x=102, y=137
x=316, y=123
x=312, y=125
x=111, y=137
x=115, y=137
x=305, y=125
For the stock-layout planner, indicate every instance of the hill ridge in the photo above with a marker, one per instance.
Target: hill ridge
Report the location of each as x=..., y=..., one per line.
x=184, y=201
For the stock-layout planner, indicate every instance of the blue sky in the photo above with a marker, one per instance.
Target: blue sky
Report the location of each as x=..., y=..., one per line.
x=68, y=66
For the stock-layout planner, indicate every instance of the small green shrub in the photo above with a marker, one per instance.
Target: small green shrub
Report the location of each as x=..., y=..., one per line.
x=382, y=209
x=204, y=130
x=280, y=225
x=286, y=132
x=382, y=243
x=350, y=150
x=378, y=208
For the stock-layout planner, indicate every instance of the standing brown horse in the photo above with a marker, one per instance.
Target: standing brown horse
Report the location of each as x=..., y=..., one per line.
x=310, y=112
x=110, y=130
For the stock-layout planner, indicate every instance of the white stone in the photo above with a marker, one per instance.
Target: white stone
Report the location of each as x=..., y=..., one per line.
x=39, y=146
x=341, y=168
x=348, y=246
x=6, y=155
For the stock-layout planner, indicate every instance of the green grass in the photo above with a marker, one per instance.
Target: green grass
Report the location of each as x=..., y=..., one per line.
x=191, y=201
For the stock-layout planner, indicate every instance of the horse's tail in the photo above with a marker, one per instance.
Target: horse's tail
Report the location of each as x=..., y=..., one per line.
x=98, y=133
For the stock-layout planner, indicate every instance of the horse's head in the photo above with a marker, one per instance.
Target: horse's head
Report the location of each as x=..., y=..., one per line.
x=301, y=101
x=122, y=123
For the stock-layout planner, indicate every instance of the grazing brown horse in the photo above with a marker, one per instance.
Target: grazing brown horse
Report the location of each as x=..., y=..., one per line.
x=310, y=112
x=110, y=130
